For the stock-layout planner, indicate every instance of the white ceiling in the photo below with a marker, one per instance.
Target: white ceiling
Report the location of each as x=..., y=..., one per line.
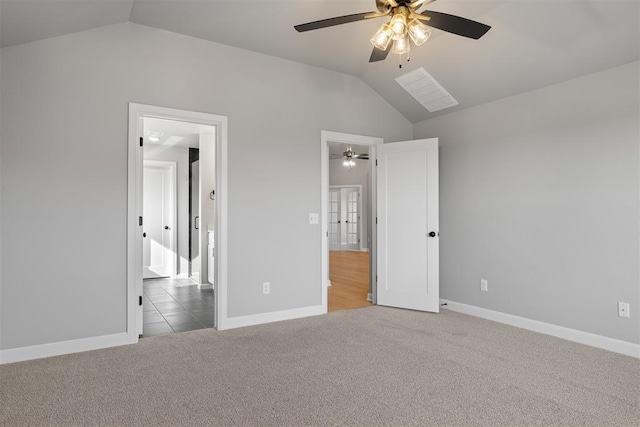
x=173, y=133
x=533, y=43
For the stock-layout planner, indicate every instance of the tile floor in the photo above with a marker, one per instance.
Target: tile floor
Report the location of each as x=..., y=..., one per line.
x=172, y=306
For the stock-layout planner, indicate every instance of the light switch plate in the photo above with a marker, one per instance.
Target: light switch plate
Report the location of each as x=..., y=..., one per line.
x=314, y=218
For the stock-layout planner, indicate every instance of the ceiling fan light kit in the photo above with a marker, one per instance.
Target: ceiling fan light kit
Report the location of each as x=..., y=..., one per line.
x=349, y=163
x=382, y=37
x=401, y=46
x=350, y=157
x=406, y=26
x=418, y=32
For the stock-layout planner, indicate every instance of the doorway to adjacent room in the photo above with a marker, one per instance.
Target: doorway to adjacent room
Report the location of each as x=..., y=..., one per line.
x=404, y=220
x=349, y=227
x=176, y=250
x=176, y=296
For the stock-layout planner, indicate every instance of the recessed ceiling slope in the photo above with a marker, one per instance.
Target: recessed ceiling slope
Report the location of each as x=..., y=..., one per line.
x=532, y=44
x=24, y=21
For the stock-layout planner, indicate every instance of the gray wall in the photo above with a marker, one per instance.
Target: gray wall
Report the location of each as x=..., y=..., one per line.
x=180, y=155
x=540, y=196
x=64, y=169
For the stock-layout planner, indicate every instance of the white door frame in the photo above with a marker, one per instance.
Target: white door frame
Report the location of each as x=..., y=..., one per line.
x=134, y=207
x=171, y=250
x=325, y=138
x=360, y=222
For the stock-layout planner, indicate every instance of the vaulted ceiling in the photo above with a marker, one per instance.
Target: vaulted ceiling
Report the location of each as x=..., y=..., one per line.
x=532, y=43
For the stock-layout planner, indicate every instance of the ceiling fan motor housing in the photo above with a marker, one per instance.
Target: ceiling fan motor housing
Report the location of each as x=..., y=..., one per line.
x=384, y=6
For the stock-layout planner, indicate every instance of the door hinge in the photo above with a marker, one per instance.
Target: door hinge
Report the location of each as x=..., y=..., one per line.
x=376, y=162
x=376, y=278
x=327, y=234
x=141, y=141
x=140, y=221
x=140, y=300
x=376, y=220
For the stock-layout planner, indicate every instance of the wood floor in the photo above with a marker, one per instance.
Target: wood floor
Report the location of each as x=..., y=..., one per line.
x=349, y=275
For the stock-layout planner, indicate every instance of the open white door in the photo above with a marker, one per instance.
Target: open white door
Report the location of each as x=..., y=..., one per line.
x=408, y=242
x=158, y=251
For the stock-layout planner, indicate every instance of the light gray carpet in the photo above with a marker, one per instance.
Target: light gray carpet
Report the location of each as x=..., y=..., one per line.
x=368, y=366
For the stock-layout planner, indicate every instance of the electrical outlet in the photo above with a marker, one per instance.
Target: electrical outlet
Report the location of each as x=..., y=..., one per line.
x=484, y=285
x=266, y=287
x=314, y=218
x=623, y=309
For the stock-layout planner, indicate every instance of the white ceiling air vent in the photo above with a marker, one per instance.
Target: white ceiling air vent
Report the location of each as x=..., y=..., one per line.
x=426, y=90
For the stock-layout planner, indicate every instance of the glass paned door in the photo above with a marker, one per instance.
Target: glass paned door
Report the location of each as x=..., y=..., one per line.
x=344, y=218
x=352, y=216
x=334, y=219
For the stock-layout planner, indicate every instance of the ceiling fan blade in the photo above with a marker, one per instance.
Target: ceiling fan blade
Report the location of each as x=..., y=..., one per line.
x=361, y=156
x=379, y=55
x=323, y=23
x=456, y=24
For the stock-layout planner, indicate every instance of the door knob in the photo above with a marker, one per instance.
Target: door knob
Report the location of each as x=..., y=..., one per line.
x=144, y=234
x=432, y=234
x=166, y=227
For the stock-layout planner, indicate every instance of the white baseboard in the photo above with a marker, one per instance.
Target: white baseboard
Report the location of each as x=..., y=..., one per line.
x=195, y=277
x=182, y=276
x=328, y=283
x=64, y=347
x=369, y=297
x=599, y=341
x=276, y=316
x=202, y=286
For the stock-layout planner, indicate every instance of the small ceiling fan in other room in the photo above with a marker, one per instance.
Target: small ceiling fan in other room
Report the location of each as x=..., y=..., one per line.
x=406, y=26
x=350, y=157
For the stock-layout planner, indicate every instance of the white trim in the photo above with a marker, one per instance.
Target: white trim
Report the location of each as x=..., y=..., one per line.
x=182, y=276
x=134, y=237
x=599, y=341
x=274, y=316
x=202, y=286
x=325, y=138
x=369, y=297
x=64, y=347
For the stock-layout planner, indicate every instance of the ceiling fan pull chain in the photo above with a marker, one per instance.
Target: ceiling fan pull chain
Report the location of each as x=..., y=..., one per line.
x=408, y=60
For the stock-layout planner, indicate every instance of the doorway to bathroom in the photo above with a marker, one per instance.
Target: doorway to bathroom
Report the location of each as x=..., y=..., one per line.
x=177, y=288
x=177, y=221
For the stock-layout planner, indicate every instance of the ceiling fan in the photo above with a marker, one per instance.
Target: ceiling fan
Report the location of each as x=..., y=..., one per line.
x=350, y=156
x=406, y=26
